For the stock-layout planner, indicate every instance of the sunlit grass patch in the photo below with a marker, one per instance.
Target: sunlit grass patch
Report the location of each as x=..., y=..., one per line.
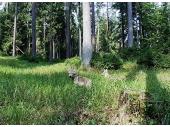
x=42, y=93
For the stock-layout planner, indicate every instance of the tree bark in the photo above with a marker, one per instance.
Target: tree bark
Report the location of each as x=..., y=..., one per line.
x=67, y=29
x=50, y=50
x=98, y=38
x=93, y=27
x=130, y=25
x=53, y=49
x=87, y=45
x=15, y=31
x=44, y=33
x=80, y=31
x=34, y=30
x=107, y=22
x=123, y=28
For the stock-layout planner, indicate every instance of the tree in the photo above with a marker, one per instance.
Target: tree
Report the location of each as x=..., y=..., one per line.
x=87, y=45
x=15, y=31
x=33, y=30
x=67, y=29
x=79, y=15
x=130, y=25
x=93, y=26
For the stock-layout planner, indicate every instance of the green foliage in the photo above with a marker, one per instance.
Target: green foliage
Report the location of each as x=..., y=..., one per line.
x=129, y=53
x=73, y=62
x=146, y=58
x=106, y=60
x=152, y=58
x=163, y=61
x=29, y=58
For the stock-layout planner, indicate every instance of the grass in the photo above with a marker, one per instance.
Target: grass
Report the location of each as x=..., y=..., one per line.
x=42, y=93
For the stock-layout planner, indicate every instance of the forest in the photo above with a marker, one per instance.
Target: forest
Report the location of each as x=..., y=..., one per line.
x=83, y=63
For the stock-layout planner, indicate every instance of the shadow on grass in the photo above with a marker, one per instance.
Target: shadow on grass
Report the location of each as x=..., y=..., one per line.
x=157, y=110
x=22, y=64
x=41, y=99
x=132, y=74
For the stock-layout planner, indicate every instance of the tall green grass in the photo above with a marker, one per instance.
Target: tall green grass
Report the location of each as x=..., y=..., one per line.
x=42, y=93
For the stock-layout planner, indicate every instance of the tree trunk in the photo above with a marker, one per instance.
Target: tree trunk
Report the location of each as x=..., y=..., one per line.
x=44, y=33
x=130, y=25
x=80, y=44
x=67, y=29
x=87, y=45
x=107, y=22
x=80, y=31
x=140, y=24
x=98, y=38
x=15, y=31
x=50, y=50
x=33, y=30
x=53, y=49
x=123, y=28
x=93, y=27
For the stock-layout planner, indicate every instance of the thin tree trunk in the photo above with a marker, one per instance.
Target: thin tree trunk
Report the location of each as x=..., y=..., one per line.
x=15, y=31
x=137, y=33
x=123, y=28
x=53, y=49
x=28, y=38
x=67, y=29
x=80, y=32
x=87, y=45
x=98, y=38
x=93, y=27
x=6, y=4
x=0, y=32
x=57, y=49
x=130, y=25
x=33, y=30
x=50, y=51
x=107, y=23
x=44, y=33
x=140, y=24
x=80, y=48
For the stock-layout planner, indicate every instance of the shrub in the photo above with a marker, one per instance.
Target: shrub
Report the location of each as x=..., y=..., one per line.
x=153, y=58
x=28, y=57
x=106, y=60
x=129, y=53
x=146, y=58
x=163, y=61
x=73, y=62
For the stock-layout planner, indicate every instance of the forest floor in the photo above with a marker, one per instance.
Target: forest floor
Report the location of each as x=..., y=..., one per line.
x=42, y=93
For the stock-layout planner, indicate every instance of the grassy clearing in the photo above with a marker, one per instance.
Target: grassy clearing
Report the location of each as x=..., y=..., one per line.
x=42, y=93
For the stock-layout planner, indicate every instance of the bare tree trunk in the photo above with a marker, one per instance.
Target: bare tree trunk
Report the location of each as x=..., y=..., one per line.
x=123, y=28
x=98, y=38
x=33, y=30
x=44, y=33
x=80, y=33
x=50, y=50
x=80, y=44
x=107, y=23
x=67, y=29
x=93, y=27
x=15, y=31
x=6, y=6
x=53, y=49
x=57, y=49
x=0, y=33
x=87, y=45
x=130, y=25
